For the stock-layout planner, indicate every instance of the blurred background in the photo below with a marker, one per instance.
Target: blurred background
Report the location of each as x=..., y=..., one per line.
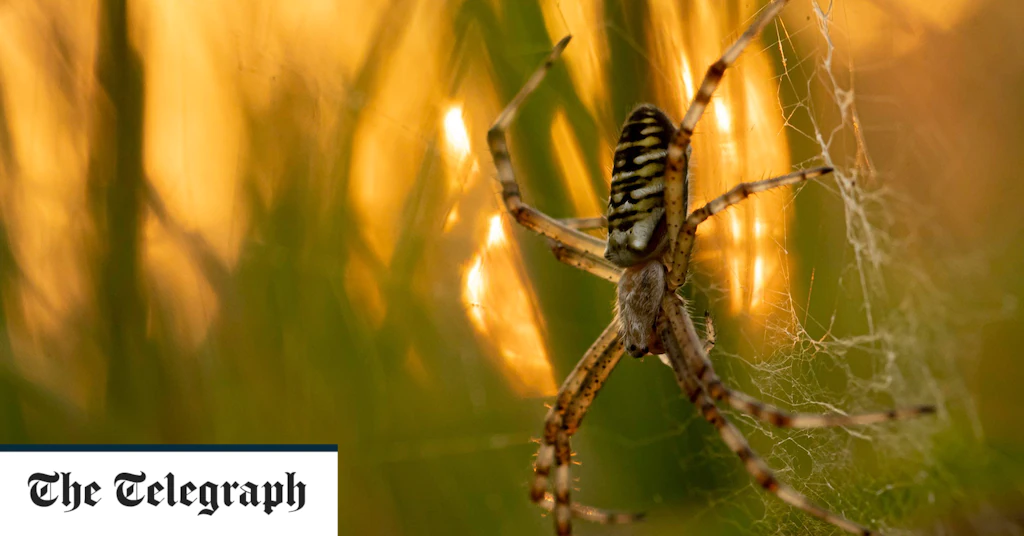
x=276, y=222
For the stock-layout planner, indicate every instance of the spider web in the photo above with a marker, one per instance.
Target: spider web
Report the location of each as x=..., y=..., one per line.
x=314, y=205
x=886, y=328
x=869, y=315
x=896, y=334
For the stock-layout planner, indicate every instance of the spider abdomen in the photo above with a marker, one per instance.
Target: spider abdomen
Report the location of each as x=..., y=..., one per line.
x=636, y=206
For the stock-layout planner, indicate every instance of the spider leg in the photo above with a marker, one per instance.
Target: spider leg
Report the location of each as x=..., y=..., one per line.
x=526, y=215
x=685, y=238
x=701, y=365
x=676, y=161
x=783, y=419
x=585, y=261
x=571, y=420
x=709, y=333
x=571, y=404
x=591, y=514
x=586, y=224
x=709, y=337
x=730, y=435
x=607, y=341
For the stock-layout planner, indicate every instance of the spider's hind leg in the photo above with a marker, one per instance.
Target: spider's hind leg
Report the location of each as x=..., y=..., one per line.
x=705, y=372
x=591, y=514
x=784, y=419
x=574, y=398
x=680, y=343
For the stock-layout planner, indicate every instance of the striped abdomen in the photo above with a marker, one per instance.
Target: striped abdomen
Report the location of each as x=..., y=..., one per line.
x=636, y=206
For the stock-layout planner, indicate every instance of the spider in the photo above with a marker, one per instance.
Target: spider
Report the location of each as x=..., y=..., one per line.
x=650, y=237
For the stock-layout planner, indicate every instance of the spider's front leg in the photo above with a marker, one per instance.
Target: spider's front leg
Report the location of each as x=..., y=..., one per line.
x=680, y=259
x=569, y=244
x=676, y=161
x=526, y=215
x=682, y=229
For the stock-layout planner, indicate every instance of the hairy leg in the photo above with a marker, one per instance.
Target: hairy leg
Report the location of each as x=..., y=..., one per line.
x=584, y=261
x=699, y=362
x=676, y=161
x=586, y=224
x=731, y=436
x=688, y=232
x=526, y=215
x=571, y=404
x=591, y=514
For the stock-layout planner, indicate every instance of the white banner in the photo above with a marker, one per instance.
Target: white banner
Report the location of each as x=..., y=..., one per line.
x=164, y=489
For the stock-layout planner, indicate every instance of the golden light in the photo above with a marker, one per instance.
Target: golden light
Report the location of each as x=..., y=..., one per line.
x=473, y=291
x=722, y=116
x=495, y=292
x=495, y=231
x=736, y=283
x=499, y=301
x=455, y=132
x=574, y=169
x=451, y=219
x=888, y=30
x=202, y=93
x=389, y=135
x=687, y=80
x=757, y=294
x=741, y=138
x=587, y=64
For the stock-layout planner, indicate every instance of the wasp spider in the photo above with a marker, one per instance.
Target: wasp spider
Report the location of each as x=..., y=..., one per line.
x=650, y=236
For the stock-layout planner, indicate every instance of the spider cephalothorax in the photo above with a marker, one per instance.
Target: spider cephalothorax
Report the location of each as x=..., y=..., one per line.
x=650, y=235
x=638, y=300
